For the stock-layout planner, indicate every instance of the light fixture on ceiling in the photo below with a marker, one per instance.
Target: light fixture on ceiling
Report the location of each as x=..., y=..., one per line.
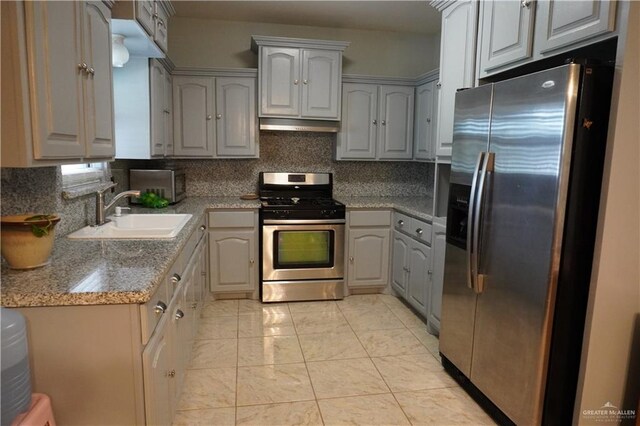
x=120, y=54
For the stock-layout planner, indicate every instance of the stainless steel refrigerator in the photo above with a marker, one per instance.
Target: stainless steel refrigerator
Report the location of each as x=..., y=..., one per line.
x=526, y=173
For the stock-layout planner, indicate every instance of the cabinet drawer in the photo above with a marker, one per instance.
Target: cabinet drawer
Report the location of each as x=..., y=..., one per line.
x=402, y=222
x=420, y=230
x=370, y=218
x=231, y=219
x=149, y=316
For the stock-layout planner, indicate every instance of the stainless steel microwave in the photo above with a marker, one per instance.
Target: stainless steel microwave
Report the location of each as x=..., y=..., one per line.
x=169, y=184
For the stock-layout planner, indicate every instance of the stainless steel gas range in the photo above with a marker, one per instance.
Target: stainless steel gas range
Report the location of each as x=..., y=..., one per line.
x=302, y=234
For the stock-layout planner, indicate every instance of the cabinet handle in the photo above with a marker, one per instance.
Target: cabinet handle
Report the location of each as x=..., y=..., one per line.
x=91, y=71
x=175, y=279
x=430, y=272
x=406, y=269
x=166, y=111
x=251, y=261
x=161, y=23
x=438, y=84
x=305, y=81
x=526, y=4
x=202, y=227
x=171, y=373
x=155, y=15
x=179, y=314
x=428, y=120
x=384, y=123
x=160, y=308
x=350, y=259
x=375, y=122
x=218, y=116
x=295, y=82
x=401, y=222
x=209, y=117
x=419, y=231
x=83, y=67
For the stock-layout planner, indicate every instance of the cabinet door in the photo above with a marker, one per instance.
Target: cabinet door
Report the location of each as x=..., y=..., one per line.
x=419, y=276
x=321, y=78
x=54, y=51
x=157, y=99
x=563, y=23
x=358, y=132
x=168, y=114
x=232, y=260
x=193, y=103
x=506, y=33
x=236, y=117
x=400, y=264
x=144, y=15
x=439, y=242
x=424, y=122
x=395, y=132
x=161, y=34
x=368, y=257
x=279, y=82
x=157, y=358
x=98, y=93
x=457, y=53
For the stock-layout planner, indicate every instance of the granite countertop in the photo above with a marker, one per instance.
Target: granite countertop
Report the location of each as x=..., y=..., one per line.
x=420, y=207
x=97, y=272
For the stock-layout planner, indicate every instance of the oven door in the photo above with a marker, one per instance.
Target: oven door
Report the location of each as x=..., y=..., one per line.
x=302, y=250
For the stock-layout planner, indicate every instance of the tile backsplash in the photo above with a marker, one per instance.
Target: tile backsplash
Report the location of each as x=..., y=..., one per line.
x=39, y=189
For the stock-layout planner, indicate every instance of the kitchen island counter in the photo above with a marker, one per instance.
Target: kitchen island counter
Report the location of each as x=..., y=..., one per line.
x=104, y=272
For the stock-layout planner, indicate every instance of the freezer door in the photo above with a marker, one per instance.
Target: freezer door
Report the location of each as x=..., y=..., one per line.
x=520, y=234
x=470, y=131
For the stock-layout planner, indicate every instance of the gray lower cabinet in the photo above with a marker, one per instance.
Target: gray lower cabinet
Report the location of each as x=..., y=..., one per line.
x=412, y=261
x=233, y=251
x=439, y=244
x=369, y=240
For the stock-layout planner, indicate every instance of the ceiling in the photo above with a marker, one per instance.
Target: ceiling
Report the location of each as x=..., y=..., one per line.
x=403, y=16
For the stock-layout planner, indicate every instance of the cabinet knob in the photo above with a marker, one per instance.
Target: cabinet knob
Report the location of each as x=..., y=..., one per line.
x=428, y=120
x=179, y=314
x=209, y=117
x=175, y=279
x=305, y=81
x=350, y=259
x=401, y=222
x=160, y=308
x=251, y=261
x=91, y=71
x=419, y=231
x=161, y=23
x=155, y=15
x=406, y=269
x=375, y=122
x=430, y=272
x=83, y=67
x=218, y=116
x=526, y=3
x=384, y=122
x=295, y=82
x=171, y=373
x=166, y=111
x=438, y=84
x=202, y=227
x=194, y=306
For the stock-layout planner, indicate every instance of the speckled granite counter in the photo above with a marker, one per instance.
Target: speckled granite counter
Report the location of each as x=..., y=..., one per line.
x=420, y=207
x=94, y=272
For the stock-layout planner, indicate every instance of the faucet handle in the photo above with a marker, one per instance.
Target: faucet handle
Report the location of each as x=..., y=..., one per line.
x=103, y=190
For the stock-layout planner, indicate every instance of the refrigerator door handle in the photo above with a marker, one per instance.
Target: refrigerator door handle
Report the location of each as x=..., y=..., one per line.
x=470, y=223
x=487, y=166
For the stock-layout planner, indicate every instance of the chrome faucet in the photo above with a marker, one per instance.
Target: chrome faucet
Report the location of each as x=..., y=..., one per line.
x=101, y=209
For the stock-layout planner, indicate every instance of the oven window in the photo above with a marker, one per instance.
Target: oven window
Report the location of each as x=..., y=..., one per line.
x=303, y=249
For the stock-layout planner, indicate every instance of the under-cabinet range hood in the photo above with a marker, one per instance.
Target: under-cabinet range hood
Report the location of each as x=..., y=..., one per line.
x=299, y=125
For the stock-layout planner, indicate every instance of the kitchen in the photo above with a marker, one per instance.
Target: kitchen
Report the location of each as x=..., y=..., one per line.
x=231, y=178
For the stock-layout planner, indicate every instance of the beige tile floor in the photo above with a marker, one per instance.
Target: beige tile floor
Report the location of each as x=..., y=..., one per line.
x=364, y=360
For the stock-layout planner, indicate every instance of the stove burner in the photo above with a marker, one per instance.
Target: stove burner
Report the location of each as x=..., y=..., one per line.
x=299, y=202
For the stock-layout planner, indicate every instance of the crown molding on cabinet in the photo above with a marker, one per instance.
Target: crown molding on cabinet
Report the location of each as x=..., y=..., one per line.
x=428, y=76
x=168, y=64
x=215, y=72
x=396, y=81
x=441, y=5
x=109, y=3
x=304, y=43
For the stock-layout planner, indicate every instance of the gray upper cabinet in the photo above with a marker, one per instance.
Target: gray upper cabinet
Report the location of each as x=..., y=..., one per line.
x=457, y=64
x=506, y=33
x=144, y=14
x=193, y=108
x=236, y=120
x=515, y=33
x=299, y=78
x=168, y=114
x=565, y=23
x=280, y=82
x=425, y=121
x=358, y=132
x=158, y=107
x=395, y=131
x=377, y=122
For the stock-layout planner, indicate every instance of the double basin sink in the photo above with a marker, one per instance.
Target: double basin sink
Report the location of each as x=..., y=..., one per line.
x=135, y=226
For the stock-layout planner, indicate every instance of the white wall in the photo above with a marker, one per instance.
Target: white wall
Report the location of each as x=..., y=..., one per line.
x=212, y=43
x=611, y=351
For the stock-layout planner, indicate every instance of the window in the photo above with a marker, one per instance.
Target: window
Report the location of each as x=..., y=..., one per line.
x=75, y=176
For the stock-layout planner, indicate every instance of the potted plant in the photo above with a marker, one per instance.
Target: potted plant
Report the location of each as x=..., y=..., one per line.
x=27, y=240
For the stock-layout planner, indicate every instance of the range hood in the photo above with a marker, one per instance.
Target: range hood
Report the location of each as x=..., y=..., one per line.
x=298, y=125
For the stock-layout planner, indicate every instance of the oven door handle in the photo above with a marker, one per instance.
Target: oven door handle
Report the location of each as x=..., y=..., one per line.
x=302, y=221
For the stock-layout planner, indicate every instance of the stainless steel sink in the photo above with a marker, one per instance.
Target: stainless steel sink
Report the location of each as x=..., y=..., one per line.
x=135, y=226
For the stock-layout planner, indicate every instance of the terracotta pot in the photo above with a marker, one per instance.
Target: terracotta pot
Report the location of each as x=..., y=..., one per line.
x=27, y=239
